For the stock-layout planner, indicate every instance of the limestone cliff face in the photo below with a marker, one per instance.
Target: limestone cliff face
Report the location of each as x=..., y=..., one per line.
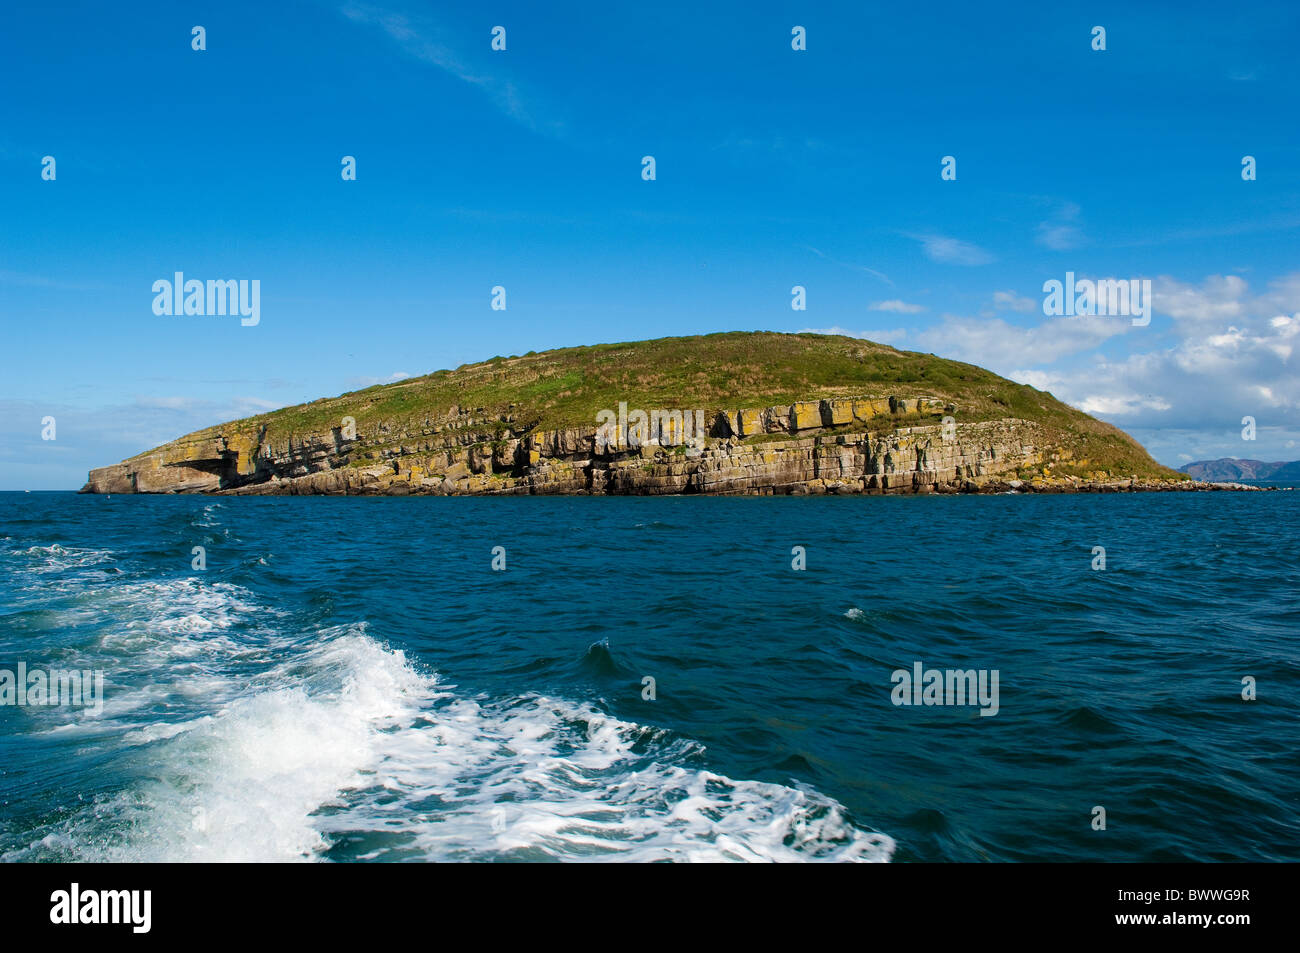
x=850, y=445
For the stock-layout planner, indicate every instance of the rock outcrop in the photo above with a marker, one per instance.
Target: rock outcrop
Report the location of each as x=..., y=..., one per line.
x=884, y=444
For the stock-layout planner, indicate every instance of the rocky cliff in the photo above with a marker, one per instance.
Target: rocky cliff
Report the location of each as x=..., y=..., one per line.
x=399, y=439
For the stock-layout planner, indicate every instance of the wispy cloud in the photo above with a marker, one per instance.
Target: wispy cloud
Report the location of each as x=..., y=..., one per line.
x=420, y=40
x=1061, y=232
x=881, y=336
x=372, y=381
x=1058, y=237
x=234, y=408
x=1010, y=301
x=790, y=146
x=850, y=265
x=952, y=251
x=1263, y=223
x=97, y=436
x=900, y=307
x=40, y=281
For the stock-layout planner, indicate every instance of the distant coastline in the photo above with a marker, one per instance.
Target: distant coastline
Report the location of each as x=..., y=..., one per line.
x=1238, y=470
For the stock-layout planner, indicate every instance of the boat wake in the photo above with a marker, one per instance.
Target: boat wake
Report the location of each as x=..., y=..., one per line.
x=246, y=740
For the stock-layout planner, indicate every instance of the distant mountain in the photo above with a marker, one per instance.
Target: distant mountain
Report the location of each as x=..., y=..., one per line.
x=1232, y=469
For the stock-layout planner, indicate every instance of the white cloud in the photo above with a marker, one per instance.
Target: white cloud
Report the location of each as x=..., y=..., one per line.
x=852, y=266
x=1059, y=237
x=1182, y=387
x=421, y=41
x=902, y=307
x=36, y=281
x=1012, y=301
x=1060, y=233
x=881, y=336
x=1283, y=294
x=1042, y=380
x=372, y=381
x=98, y=436
x=1217, y=301
x=237, y=406
x=1229, y=357
x=952, y=251
x=1119, y=405
x=999, y=345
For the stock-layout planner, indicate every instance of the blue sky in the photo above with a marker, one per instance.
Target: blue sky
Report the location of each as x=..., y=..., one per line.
x=522, y=168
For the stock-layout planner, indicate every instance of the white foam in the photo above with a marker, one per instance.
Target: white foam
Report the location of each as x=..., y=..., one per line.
x=161, y=644
x=545, y=778
x=243, y=783
x=257, y=745
x=58, y=558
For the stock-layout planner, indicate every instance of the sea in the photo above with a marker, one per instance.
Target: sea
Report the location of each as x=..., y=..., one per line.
x=341, y=679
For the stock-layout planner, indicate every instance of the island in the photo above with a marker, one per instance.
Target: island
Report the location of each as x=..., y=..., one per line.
x=724, y=414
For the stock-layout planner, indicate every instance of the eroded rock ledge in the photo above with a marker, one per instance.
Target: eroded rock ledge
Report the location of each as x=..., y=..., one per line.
x=848, y=445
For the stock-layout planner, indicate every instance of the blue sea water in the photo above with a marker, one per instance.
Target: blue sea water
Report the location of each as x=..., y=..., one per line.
x=350, y=680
